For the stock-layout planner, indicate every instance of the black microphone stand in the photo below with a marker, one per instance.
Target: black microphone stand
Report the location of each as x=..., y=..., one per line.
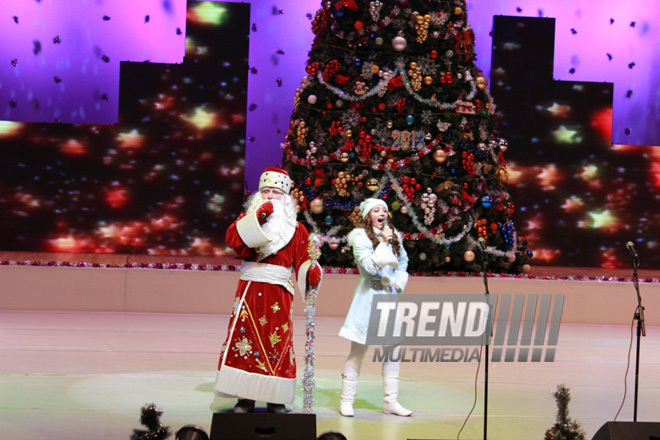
x=641, y=330
x=484, y=260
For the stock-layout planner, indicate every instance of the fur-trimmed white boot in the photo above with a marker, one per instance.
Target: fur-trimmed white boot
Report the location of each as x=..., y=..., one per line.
x=349, y=384
x=390, y=395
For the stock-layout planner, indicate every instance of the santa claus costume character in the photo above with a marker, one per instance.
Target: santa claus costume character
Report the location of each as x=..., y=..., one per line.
x=382, y=262
x=257, y=361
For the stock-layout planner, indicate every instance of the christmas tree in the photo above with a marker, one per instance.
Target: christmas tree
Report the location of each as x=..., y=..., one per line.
x=394, y=107
x=564, y=428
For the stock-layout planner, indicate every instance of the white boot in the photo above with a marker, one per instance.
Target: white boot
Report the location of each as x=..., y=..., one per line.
x=349, y=384
x=391, y=391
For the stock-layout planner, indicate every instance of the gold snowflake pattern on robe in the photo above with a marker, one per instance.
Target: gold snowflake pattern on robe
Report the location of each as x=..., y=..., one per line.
x=261, y=366
x=263, y=321
x=274, y=338
x=244, y=315
x=275, y=307
x=243, y=346
x=285, y=326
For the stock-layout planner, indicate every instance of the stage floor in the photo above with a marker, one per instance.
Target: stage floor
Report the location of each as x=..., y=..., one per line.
x=75, y=375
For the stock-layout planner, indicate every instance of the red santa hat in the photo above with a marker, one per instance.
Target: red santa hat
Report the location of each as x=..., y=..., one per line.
x=274, y=177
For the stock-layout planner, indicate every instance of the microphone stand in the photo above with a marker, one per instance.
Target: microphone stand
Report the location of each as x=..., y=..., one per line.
x=484, y=260
x=641, y=330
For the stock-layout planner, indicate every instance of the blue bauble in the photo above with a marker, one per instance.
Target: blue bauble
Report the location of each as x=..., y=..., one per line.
x=486, y=201
x=410, y=119
x=358, y=62
x=328, y=220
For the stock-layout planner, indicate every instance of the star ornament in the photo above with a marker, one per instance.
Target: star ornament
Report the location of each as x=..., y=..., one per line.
x=559, y=110
x=130, y=140
x=548, y=177
x=202, y=119
x=572, y=204
x=602, y=220
x=208, y=13
x=589, y=172
x=564, y=135
x=9, y=128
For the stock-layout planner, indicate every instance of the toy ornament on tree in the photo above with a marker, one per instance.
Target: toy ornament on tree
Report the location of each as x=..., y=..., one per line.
x=393, y=107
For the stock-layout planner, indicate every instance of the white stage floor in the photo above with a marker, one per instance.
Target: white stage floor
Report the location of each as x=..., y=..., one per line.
x=85, y=375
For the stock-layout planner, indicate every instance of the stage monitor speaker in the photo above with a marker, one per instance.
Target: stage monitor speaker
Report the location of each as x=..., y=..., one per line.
x=263, y=426
x=628, y=431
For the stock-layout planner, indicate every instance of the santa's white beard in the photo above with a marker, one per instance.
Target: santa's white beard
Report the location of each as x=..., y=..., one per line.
x=280, y=226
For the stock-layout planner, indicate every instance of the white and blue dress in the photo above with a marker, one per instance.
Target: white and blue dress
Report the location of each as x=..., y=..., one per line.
x=372, y=273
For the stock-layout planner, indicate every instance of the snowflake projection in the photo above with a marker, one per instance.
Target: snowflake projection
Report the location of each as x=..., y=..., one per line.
x=366, y=70
x=350, y=119
x=427, y=117
x=443, y=126
x=349, y=58
x=428, y=65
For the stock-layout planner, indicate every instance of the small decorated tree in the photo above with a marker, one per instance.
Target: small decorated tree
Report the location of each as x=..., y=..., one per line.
x=150, y=417
x=564, y=428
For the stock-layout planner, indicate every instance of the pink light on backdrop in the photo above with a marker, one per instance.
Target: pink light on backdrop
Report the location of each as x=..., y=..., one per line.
x=60, y=61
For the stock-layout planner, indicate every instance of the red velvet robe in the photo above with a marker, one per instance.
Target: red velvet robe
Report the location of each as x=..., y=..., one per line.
x=257, y=360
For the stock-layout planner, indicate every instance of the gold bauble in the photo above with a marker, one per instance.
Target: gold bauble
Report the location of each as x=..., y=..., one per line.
x=375, y=69
x=458, y=10
x=502, y=175
x=344, y=157
x=428, y=80
x=413, y=65
x=481, y=82
x=439, y=156
x=372, y=184
x=349, y=133
x=468, y=256
x=316, y=206
x=390, y=124
x=447, y=259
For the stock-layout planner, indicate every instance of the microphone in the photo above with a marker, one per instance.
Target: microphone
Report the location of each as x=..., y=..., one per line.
x=387, y=225
x=631, y=247
x=482, y=244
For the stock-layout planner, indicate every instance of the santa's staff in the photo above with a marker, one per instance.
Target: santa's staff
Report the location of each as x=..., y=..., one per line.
x=310, y=309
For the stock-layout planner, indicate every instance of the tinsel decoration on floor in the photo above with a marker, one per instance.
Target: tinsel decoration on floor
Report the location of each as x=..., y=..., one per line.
x=150, y=417
x=314, y=251
x=564, y=428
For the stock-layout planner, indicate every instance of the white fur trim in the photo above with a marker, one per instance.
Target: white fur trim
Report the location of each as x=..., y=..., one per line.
x=274, y=179
x=232, y=382
x=302, y=278
x=369, y=204
x=383, y=256
x=250, y=231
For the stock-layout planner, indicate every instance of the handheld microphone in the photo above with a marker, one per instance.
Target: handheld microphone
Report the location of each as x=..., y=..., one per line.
x=387, y=225
x=631, y=247
x=482, y=244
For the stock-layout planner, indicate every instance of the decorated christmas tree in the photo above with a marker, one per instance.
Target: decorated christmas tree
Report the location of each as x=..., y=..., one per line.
x=394, y=107
x=564, y=428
